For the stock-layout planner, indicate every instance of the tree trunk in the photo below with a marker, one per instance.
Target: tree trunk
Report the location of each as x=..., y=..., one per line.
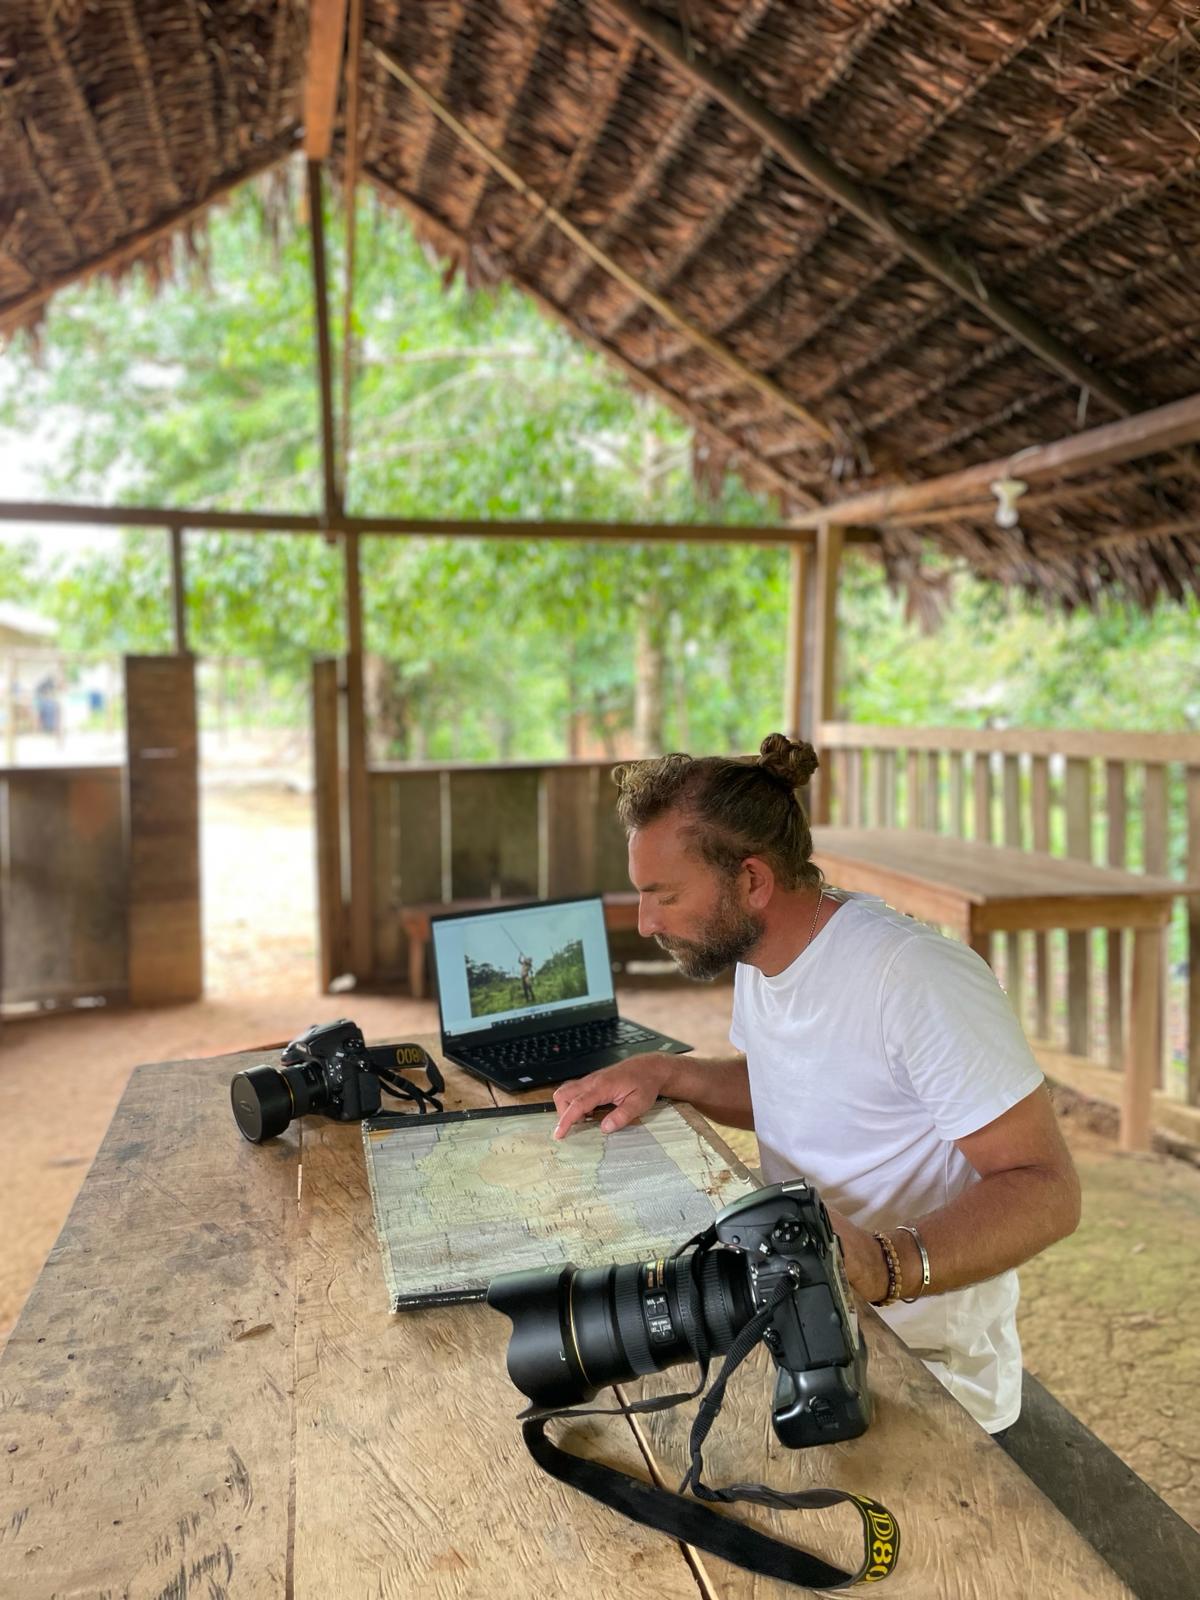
x=649, y=671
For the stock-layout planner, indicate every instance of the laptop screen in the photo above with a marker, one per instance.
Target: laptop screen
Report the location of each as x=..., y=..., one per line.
x=521, y=962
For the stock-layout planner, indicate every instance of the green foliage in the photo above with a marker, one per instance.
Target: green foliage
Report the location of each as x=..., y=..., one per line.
x=1000, y=660
x=469, y=405
x=18, y=567
x=562, y=976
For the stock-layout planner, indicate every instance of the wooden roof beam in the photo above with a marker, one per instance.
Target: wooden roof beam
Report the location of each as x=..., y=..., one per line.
x=937, y=256
x=353, y=166
x=196, y=520
x=323, y=75
x=711, y=347
x=1148, y=433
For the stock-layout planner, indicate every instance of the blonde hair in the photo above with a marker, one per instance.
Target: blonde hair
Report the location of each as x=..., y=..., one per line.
x=731, y=808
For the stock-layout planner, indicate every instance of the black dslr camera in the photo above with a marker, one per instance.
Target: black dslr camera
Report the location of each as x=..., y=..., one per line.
x=575, y=1330
x=329, y=1068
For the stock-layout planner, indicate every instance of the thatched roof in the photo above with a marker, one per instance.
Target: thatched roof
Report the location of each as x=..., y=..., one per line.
x=1035, y=161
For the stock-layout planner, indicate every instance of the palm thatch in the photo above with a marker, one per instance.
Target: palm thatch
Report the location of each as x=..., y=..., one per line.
x=1025, y=166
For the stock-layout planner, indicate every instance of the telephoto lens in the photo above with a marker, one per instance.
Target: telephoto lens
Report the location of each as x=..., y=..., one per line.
x=265, y=1099
x=577, y=1330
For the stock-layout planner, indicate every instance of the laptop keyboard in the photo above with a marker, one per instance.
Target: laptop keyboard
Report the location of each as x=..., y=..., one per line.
x=542, y=1050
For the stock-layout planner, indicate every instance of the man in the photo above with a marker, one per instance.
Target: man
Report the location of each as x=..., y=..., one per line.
x=526, y=963
x=881, y=1061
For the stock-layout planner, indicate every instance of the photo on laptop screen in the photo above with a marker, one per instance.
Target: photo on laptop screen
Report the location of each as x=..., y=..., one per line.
x=509, y=968
x=500, y=966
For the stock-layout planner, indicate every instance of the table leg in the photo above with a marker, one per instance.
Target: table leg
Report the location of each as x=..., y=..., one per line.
x=1141, y=1044
x=416, y=966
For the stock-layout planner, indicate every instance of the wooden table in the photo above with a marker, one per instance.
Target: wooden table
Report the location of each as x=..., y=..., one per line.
x=206, y=1396
x=979, y=889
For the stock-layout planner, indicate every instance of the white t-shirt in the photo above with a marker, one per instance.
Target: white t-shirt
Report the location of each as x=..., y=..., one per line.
x=881, y=1044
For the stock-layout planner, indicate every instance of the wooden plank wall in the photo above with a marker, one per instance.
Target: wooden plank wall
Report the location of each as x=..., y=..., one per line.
x=163, y=807
x=455, y=832
x=62, y=884
x=1068, y=792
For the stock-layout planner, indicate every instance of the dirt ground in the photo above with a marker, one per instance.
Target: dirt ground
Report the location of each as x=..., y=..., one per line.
x=1108, y=1317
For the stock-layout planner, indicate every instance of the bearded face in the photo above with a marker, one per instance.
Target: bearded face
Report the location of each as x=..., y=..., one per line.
x=728, y=935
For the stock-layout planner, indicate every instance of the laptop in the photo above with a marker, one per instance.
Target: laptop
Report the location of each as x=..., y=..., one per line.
x=526, y=995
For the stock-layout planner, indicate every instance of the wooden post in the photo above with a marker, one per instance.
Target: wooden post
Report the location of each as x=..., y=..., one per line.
x=331, y=961
x=10, y=721
x=1079, y=966
x=1142, y=1056
x=823, y=633
x=1154, y=860
x=1115, y=810
x=795, y=712
x=178, y=591
x=361, y=941
x=316, y=224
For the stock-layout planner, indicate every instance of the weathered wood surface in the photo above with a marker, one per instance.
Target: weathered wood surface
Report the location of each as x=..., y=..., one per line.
x=146, y=1389
x=201, y=1341
x=411, y=1474
x=1006, y=885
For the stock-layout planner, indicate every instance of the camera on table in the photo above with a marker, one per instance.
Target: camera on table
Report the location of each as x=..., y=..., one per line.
x=577, y=1329
x=329, y=1068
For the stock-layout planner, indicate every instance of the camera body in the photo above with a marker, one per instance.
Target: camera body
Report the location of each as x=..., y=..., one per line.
x=575, y=1330
x=327, y=1068
x=333, y=1058
x=785, y=1236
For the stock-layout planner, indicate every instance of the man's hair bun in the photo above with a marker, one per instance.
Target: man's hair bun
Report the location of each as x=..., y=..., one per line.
x=791, y=761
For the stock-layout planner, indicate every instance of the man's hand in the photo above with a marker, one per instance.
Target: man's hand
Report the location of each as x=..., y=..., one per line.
x=631, y=1088
x=865, y=1266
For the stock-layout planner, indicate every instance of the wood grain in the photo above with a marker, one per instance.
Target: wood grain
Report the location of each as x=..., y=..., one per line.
x=972, y=1525
x=411, y=1474
x=1086, y=743
x=206, y=1395
x=979, y=874
x=146, y=1389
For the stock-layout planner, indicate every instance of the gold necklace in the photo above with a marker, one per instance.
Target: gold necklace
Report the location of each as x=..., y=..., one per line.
x=812, y=932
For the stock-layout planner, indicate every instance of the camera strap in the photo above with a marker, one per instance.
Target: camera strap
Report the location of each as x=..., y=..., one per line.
x=696, y=1524
x=386, y=1058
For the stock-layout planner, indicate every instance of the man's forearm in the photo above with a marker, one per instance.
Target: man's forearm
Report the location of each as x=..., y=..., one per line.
x=997, y=1223
x=718, y=1088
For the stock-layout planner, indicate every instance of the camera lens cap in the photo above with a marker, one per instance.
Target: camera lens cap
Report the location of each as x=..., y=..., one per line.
x=262, y=1103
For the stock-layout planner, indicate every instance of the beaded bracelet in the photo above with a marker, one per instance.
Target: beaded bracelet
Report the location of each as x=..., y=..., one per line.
x=895, y=1285
x=905, y=1227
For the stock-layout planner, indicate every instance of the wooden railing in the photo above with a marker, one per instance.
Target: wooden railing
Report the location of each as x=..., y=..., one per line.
x=1120, y=799
x=63, y=884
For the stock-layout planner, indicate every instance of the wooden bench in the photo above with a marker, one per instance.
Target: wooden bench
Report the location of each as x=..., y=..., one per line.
x=620, y=915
